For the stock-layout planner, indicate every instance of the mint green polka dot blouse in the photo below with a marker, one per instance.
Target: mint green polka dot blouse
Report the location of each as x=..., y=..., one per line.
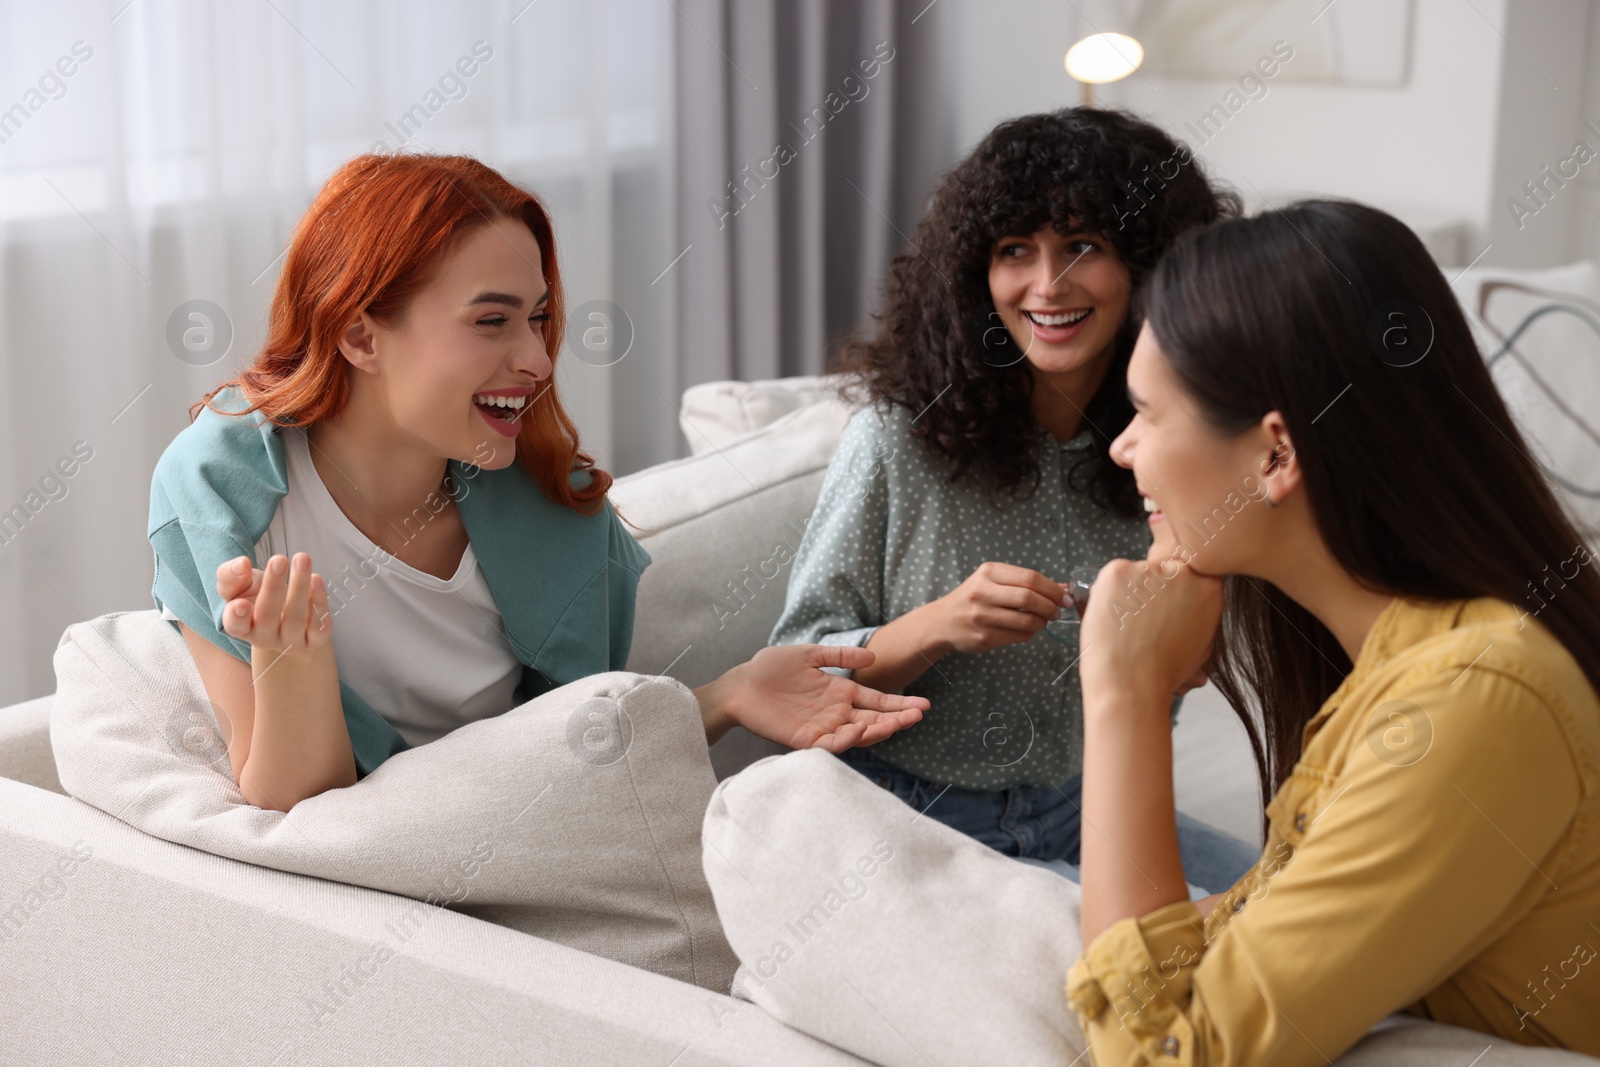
x=891, y=533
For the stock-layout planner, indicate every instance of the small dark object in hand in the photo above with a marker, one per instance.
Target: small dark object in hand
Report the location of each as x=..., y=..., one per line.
x=1079, y=591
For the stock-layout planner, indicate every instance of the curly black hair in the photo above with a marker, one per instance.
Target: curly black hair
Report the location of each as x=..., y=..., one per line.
x=1100, y=171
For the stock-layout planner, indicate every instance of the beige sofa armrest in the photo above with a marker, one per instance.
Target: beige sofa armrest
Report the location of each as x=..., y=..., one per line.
x=116, y=946
x=25, y=745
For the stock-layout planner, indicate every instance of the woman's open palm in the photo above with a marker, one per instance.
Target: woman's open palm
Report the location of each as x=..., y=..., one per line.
x=273, y=611
x=787, y=698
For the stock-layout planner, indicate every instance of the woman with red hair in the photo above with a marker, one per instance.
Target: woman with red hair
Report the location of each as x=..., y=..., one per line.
x=401, y=425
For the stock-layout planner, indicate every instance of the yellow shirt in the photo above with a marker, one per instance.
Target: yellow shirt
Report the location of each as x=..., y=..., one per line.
x=1436, y=851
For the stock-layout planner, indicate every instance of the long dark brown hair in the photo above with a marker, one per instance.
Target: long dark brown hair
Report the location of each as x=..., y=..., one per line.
x=1104, y=172
x=1420, y=483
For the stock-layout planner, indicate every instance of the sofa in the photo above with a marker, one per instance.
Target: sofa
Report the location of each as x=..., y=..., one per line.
x=154, y=952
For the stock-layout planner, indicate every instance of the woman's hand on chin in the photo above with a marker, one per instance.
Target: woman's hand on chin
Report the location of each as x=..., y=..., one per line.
x=782, y=694
x=1148, y=629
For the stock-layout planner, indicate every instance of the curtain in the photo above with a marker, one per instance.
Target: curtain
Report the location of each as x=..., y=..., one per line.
x=809, y=134
x=154, y=158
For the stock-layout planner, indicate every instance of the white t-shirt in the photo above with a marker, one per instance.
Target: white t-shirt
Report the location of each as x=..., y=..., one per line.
x=427, y=654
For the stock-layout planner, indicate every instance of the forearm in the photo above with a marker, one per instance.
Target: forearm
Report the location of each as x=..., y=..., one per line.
x=299, y=744
x=906, y=648
x=1130, y=860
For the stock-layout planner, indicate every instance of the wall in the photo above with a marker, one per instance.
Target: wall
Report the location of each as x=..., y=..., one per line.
x=1542, y=106
x=1586, y=224
x=1473, y=120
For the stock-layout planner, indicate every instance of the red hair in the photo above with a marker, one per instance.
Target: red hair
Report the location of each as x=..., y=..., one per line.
x=372, y=238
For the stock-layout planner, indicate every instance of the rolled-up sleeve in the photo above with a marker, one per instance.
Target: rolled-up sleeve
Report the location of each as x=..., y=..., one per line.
x=1404, y=872
x=836, y=592
x=1132, y=980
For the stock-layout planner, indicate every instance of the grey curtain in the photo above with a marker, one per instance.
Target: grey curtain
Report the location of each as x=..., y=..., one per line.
x=809, y=135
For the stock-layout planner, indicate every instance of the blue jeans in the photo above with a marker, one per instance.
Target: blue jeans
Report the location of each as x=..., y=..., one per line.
x=1041, y=824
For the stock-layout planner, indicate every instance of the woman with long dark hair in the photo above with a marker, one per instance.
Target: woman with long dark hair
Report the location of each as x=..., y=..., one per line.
x=1351, y=539
x=963, y=497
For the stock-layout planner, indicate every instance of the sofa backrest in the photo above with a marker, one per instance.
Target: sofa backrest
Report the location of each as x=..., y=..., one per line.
x=722, y=528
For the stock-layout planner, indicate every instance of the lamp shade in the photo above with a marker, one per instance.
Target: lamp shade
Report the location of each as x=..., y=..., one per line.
x=1104, y=57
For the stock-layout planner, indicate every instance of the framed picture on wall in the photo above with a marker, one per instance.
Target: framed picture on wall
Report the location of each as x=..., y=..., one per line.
x=1348, y=42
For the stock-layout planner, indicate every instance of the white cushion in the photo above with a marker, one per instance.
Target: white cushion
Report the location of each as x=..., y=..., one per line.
x=874, y=928
x=714, y=413
x=882, y=931
x=574, y=817
x=1551, y=377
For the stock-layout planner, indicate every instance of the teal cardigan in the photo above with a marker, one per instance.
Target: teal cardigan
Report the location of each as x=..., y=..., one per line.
x=564, y=581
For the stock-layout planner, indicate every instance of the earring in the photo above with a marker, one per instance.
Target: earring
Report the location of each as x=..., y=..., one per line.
x=1272, y=461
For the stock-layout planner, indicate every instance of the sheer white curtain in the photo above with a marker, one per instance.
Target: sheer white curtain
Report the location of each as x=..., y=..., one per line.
x=154, y=153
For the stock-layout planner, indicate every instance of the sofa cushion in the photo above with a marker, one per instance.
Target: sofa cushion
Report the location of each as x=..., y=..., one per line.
x=574, y=817
x=888, y=934
x=884, y=932
x=723, y=528
x=714, y=413
x=1550, y=375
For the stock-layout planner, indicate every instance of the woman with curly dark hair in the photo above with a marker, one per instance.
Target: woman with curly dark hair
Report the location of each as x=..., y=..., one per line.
x=979, y=477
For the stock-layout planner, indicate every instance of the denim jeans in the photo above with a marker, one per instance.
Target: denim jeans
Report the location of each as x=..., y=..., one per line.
x=1041, y=825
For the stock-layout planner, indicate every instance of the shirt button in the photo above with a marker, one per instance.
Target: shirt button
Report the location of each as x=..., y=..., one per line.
x=1300, y=822
x=1238, y=905
x=1169, y=1046
x=1052, y=524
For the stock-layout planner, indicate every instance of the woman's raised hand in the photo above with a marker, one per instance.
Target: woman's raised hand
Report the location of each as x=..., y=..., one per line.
x=281, y=609
x=1149, y=625
x=999, y=604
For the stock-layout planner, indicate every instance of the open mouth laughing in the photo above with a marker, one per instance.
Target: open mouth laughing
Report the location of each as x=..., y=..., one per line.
x=502, y=409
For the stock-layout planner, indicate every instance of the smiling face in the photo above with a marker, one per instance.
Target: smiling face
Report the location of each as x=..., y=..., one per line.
x=472, y=331
x=1061, y=298
x=1206, y=491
